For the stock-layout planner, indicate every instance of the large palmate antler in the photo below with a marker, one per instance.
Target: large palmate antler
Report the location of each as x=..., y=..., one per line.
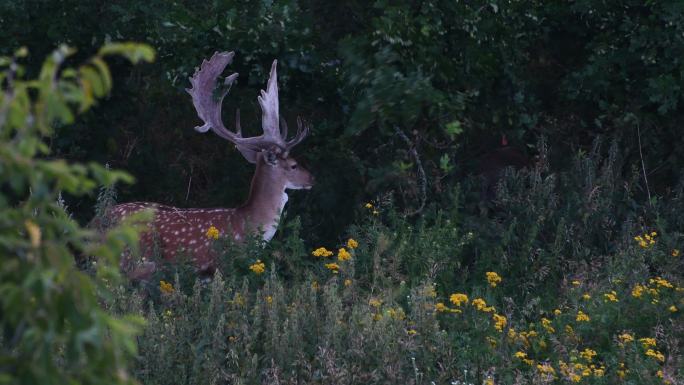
x=209, y=109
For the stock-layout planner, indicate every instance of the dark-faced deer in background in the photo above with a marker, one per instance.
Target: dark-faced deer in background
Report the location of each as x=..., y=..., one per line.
x=179, y=230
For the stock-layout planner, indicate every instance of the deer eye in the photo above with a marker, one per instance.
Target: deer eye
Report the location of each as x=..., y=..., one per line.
x=294, y=167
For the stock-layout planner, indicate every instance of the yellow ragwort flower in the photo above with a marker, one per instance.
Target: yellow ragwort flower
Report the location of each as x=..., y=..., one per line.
x=546, y=323
x=479, y=303
x=582, y=317
x=546, y=369
x=675, y=252
x=499, y=322
x=347, y=282
x=638, y=291
x=625, y=338
x=321, y=252
x=212, y=232
x=493, y=278
x=458, y=298
x=374, y=302
x=557, y=312
x=343, y=254
x=610, y=297
x=673, y=309
x=352, y=244
x=258, y=267
x=520, y=355
x=661, y=282
x=647, y=341
x=368, y=205
x=332, y=267
x=586, y=296
x=165, y=287
x=441, y=307
x=655, y=354
x=576, y=283
x=269, y=299
x=588, y=354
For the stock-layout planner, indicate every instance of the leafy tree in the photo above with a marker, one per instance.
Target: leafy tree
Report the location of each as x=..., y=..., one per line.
x=52, y=329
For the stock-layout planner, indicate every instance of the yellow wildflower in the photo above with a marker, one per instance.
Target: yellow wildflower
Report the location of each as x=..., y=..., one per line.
x=625, y=338
x=638, y=291
x=315, y=285
x=493, y=278
x=582, y=317
x=321, y=252
x=655, y=354
x=675, y=252
x=546, y=369
x=489, y=381
x=575, y=283
x=673, y=309
x=511, y=334
x=332, y=267
x=586, y=296
x=347, y=282
x=376, y=212
x=165, y=287
x=269, y=299
x=411, y=332
x=458, y=298
x=492, y=341
x=368, y=205
x=546, y=323
x=569, y=330
x=661, y=282
x=528, y=361
x=258, y=267
x=212, y=232
x=612, y=297
x=499, y=322
x=588, y=354
x=646, y=342
x=343, y=254
x=352, y=244
x=374, y=302
x=520, y=355
x=599, y=372
x=479, y=304
x=441, y=307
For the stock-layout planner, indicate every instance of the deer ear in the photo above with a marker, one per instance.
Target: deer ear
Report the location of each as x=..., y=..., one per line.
x=248, y=153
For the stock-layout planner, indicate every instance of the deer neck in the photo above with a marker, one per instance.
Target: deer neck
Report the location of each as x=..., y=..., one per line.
x=265, y=203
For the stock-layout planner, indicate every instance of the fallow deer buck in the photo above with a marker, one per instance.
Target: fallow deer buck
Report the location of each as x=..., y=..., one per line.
x=185, y=230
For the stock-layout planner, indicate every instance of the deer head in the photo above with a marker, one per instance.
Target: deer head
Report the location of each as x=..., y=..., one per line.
x=271, y=150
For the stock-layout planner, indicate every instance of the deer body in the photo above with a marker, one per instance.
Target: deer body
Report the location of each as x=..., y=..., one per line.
x=177, y=230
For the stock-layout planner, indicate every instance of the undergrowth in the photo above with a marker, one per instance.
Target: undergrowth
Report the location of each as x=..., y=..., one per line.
x=566, y=277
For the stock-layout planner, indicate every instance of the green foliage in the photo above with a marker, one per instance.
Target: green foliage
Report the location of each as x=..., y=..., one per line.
x=452, y=75
x=53, y=329
x=588, y=288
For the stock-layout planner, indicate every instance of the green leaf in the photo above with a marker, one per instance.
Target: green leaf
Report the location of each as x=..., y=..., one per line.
x=135, y=52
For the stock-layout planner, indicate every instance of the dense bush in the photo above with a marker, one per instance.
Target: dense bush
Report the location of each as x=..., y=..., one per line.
x=52, y=328
x=452, y=75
